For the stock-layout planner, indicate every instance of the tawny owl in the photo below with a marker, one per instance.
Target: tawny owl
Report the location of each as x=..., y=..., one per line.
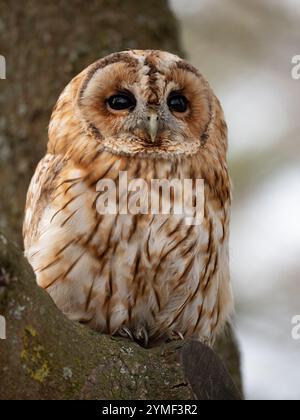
x=151, y=115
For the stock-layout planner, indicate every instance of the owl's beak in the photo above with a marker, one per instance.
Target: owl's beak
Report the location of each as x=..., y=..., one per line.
x=153, y=125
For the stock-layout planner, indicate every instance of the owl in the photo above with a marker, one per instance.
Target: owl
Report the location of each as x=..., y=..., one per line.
x=151, y=277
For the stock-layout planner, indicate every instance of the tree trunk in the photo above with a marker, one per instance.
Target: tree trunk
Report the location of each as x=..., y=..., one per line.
x=45, y=45
x=46, y=356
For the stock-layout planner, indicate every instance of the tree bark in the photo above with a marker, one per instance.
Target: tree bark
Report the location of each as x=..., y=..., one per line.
x=45, y=45
x=46, y=356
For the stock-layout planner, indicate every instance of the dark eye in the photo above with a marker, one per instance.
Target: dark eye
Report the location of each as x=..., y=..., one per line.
x=178, y=103
x=121, y=101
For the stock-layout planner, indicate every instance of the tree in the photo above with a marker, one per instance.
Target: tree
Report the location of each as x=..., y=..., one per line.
x=45, y=355
x=45, y=46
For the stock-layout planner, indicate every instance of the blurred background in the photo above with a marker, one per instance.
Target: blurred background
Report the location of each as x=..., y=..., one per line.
x=245, y=49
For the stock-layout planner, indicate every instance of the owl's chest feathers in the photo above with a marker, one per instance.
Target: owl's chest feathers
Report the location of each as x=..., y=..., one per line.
x=78, y=207
x=121, y=267
x=98, y=202
x=141, y=243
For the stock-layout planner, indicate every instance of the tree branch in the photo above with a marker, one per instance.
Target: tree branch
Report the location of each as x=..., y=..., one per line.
x=46, y=356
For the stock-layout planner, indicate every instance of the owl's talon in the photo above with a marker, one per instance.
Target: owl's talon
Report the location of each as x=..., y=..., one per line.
x=125, y=332
x=176, y=334
x=142, y=335
x=180, y=335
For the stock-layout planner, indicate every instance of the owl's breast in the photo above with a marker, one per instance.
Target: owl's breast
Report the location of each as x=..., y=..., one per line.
x=111, y=264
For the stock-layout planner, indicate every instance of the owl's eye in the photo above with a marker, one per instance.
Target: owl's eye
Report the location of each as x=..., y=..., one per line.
x=121, y=102
x=178, y=103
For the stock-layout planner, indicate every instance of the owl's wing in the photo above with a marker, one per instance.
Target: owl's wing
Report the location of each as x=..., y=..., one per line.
x=40, y=191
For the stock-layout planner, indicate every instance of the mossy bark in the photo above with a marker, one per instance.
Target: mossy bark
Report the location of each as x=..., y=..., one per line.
x=45, y=356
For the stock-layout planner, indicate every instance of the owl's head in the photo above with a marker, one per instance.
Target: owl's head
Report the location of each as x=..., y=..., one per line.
x=143, y=102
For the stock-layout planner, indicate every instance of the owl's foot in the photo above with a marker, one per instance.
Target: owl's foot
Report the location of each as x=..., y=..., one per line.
x=175, y=335
x=140, y=335
x=179, y=334
x=126, y=333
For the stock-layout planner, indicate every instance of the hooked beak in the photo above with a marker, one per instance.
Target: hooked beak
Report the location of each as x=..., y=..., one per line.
x=153, y=125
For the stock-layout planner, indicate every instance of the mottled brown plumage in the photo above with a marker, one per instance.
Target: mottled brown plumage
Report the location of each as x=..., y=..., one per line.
x=147, y=276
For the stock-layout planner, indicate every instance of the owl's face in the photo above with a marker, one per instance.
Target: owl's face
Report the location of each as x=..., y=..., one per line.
x=139, y=103
x=148, y=102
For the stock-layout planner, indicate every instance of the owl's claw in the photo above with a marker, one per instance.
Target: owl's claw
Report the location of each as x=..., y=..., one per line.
x=181, y=336
x=125, y=332
x=176, y=335
x=142, y=335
